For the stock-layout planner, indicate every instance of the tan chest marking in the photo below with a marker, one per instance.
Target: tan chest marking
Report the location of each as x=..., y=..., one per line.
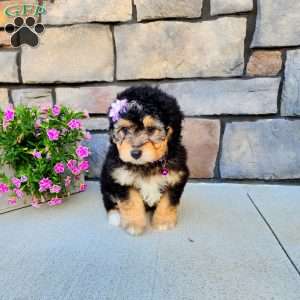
x=150, y=187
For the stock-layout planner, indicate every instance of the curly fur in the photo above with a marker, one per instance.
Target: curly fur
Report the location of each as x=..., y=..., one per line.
x=146, y=101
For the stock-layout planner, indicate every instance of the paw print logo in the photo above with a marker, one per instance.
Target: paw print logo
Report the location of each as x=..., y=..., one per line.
x=24, y=32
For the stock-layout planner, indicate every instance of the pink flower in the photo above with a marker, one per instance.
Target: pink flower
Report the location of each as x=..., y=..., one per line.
x=3, y=188
x=55, y=189
x=87, y=136
x=12, y=201
x=53, y=134
x=55, y=201
x=83, y=187
x=37, y=154
x=84, y=165
x=67, y=181
x=45, y=184
x=71, y=164
x=82, y=151
x=116, y=108
x=45, y=108
x=35, y=203
x=56, y=110
x=16, y=182
x=74, y=124
x=19, y=193
x=37, y=124
x=75, y=171
x=59, y=168
x=4, y=124
x=24, y=179
x=9, y=114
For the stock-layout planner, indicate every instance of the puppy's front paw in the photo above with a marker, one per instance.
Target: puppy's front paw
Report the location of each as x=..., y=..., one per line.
x=114, y=218
x=162, y=225
x=165, y=217
x=134, y=229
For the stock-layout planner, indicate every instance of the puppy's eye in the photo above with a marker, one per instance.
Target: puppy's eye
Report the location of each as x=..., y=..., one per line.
x=124, y=130
x=150, y=130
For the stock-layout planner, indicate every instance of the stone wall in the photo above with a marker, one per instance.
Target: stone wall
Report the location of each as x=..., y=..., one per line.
x=233, y=65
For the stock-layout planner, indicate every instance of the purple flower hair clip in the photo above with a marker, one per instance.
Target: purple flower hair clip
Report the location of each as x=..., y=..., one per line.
x=116, y=108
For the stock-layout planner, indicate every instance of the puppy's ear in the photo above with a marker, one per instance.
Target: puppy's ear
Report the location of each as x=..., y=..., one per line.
x=169, y=132
x=113, y=136
x=116, y=137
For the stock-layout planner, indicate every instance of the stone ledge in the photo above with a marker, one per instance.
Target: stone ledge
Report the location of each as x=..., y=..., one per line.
x=95, y=99
x=50, y=62
x=4, y=40
x=75, y=11
x=219, y=7
x=290, y=105
x=201, y=138
x=3, y=98
x=98, y=145
x=158, y=9
x=277, y=23
x=32, y=97
x=234, y=96
x=265, y=149
x=180, y=49
x=8, y=67
x=264, y=63
x=96, y=123
x=195, y=97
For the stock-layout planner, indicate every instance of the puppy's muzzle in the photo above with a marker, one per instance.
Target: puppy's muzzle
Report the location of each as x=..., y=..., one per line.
x=136, y=153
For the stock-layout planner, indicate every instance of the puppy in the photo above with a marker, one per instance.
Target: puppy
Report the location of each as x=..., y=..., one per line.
x=145, y=167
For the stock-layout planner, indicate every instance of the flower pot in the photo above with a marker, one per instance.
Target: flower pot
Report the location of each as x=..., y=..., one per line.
x=4, y=206
x=27, y=199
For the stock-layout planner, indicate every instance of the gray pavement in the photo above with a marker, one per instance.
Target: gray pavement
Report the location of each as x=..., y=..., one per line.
x=281, y=209
x=232, y=242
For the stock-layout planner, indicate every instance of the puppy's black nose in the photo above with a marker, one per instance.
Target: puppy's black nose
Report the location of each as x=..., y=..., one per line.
x=136, y=154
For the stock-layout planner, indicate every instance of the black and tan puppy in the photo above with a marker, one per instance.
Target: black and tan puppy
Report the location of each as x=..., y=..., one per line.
x=145, y=166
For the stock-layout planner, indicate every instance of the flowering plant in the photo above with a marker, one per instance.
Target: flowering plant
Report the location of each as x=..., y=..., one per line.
x=44, y=149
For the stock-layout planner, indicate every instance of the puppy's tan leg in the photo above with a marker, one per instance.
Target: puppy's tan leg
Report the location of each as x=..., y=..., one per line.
x=133, y=214
x=165, y=215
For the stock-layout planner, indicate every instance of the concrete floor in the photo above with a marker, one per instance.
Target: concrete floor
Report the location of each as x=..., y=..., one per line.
x=232, y=242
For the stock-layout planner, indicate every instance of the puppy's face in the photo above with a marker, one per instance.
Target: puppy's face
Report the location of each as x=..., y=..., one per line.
x=143, y=142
